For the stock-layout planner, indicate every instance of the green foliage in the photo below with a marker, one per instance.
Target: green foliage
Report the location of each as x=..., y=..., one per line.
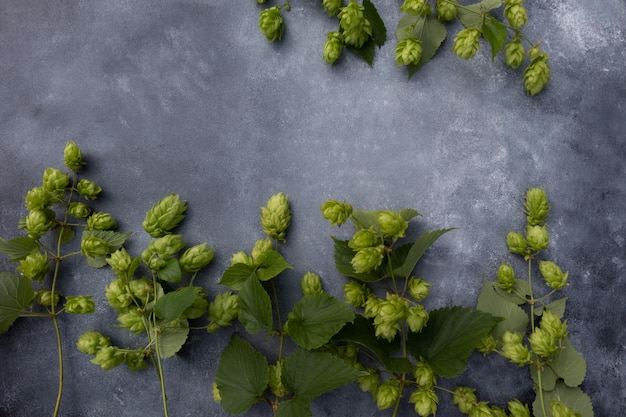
x=316, y=318
x=255, y=307
x=16, y=294
x=18, y=248
x=242, y=376
x=449, y=337
x=361, y=30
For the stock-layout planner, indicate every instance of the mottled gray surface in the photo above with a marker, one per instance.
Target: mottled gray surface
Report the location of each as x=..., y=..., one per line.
x=187, y=96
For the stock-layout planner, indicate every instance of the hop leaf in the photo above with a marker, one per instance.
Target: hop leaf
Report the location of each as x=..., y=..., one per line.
x=271, y=23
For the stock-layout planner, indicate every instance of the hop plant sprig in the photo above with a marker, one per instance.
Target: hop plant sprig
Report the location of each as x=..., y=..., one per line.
x=57, y=211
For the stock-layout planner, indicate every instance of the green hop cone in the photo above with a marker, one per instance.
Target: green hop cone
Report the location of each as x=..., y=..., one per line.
x=487, y=344
x=47, y=298
x=446, y=11
x=260, y=247
x=536, y=206
x=108, y=357
x=372, y=306
x=392, y=224
x=466, y=43
x=136, y=360
x=356, y=28
x=119, y=261
x=480, y=409
x=424, y=375
x=497, y=411
x=514, y=350
x=336, y=212
x=387, y=394
x=200, y=305
x=332, y=7
x=384, y=330
x=536, y=74
x=514, y=53
x=164, y=215
x=543, y=343
x=275, y=379
x=311, y=284
x=117, y=295
x=425, y=401
x=537, y=237
x=72, y=156
x=37, y=223
x=413, y=7
x=216, y=393
x=367, y=259
x=141, y=288
x=54, y=180
x=355, y=293
x=195, y=258
x=551, y=323
x=88, y=189
x=223, y=310
x=241, y=258
x=37, y=198
x=517, y=409
x=506, y=277
x=553, y=275
x=167, y=246
x=516, y=243
x=132, y=320
x=101, y=221
x=516, y=14
x=370, y=382
x=333, y=48
x=94, y=247
x=559, y=409
x=419, y=289
x=276, y=216
x=81, y=304
x=408, y=51
x=91, y=341
x=365, y=238
x=79, y=210
x=392, y=310
x=416, y=318
x=464, y=398
x=35, y=266
x=271, y=23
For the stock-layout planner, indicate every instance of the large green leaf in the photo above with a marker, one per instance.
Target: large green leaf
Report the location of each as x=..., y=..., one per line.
x=364, y=219
x=515, y=318
x=473, y=15
x=316, y=318
x=362, y=332
x=520, y=294
x=365, y=52
x=379, y=31
x=343, y=256
x=18, y=248
x=573, y=397
x=171, y=339
x=495, y=33
x=557, y=307
x=309, y=373
x=237, y=275
x=417, y=250
x=294, y=407
x=242, y=376
x=16, y=293
x=171, y=271
x=432, y=33
x=449, y=337
x=170, y=306
x=568, y=366
x=113, y=238
x=271, y=263
x=255, y=307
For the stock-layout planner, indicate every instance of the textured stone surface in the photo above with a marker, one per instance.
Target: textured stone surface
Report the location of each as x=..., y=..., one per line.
x=188, y=97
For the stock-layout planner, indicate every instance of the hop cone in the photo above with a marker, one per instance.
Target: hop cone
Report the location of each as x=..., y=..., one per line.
x=537, y=75
x=408, y=51
x=446, y=11
x=514, y=54
x=271, y=23
x=516, y=14
x=356, y=28
x=466, y=43
x=165, y=215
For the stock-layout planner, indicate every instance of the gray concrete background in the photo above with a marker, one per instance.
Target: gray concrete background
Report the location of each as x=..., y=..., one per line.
x=188, y=97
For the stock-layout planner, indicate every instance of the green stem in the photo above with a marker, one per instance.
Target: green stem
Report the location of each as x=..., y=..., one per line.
x=60, y=358
x=532, y=328
x=154, y=332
